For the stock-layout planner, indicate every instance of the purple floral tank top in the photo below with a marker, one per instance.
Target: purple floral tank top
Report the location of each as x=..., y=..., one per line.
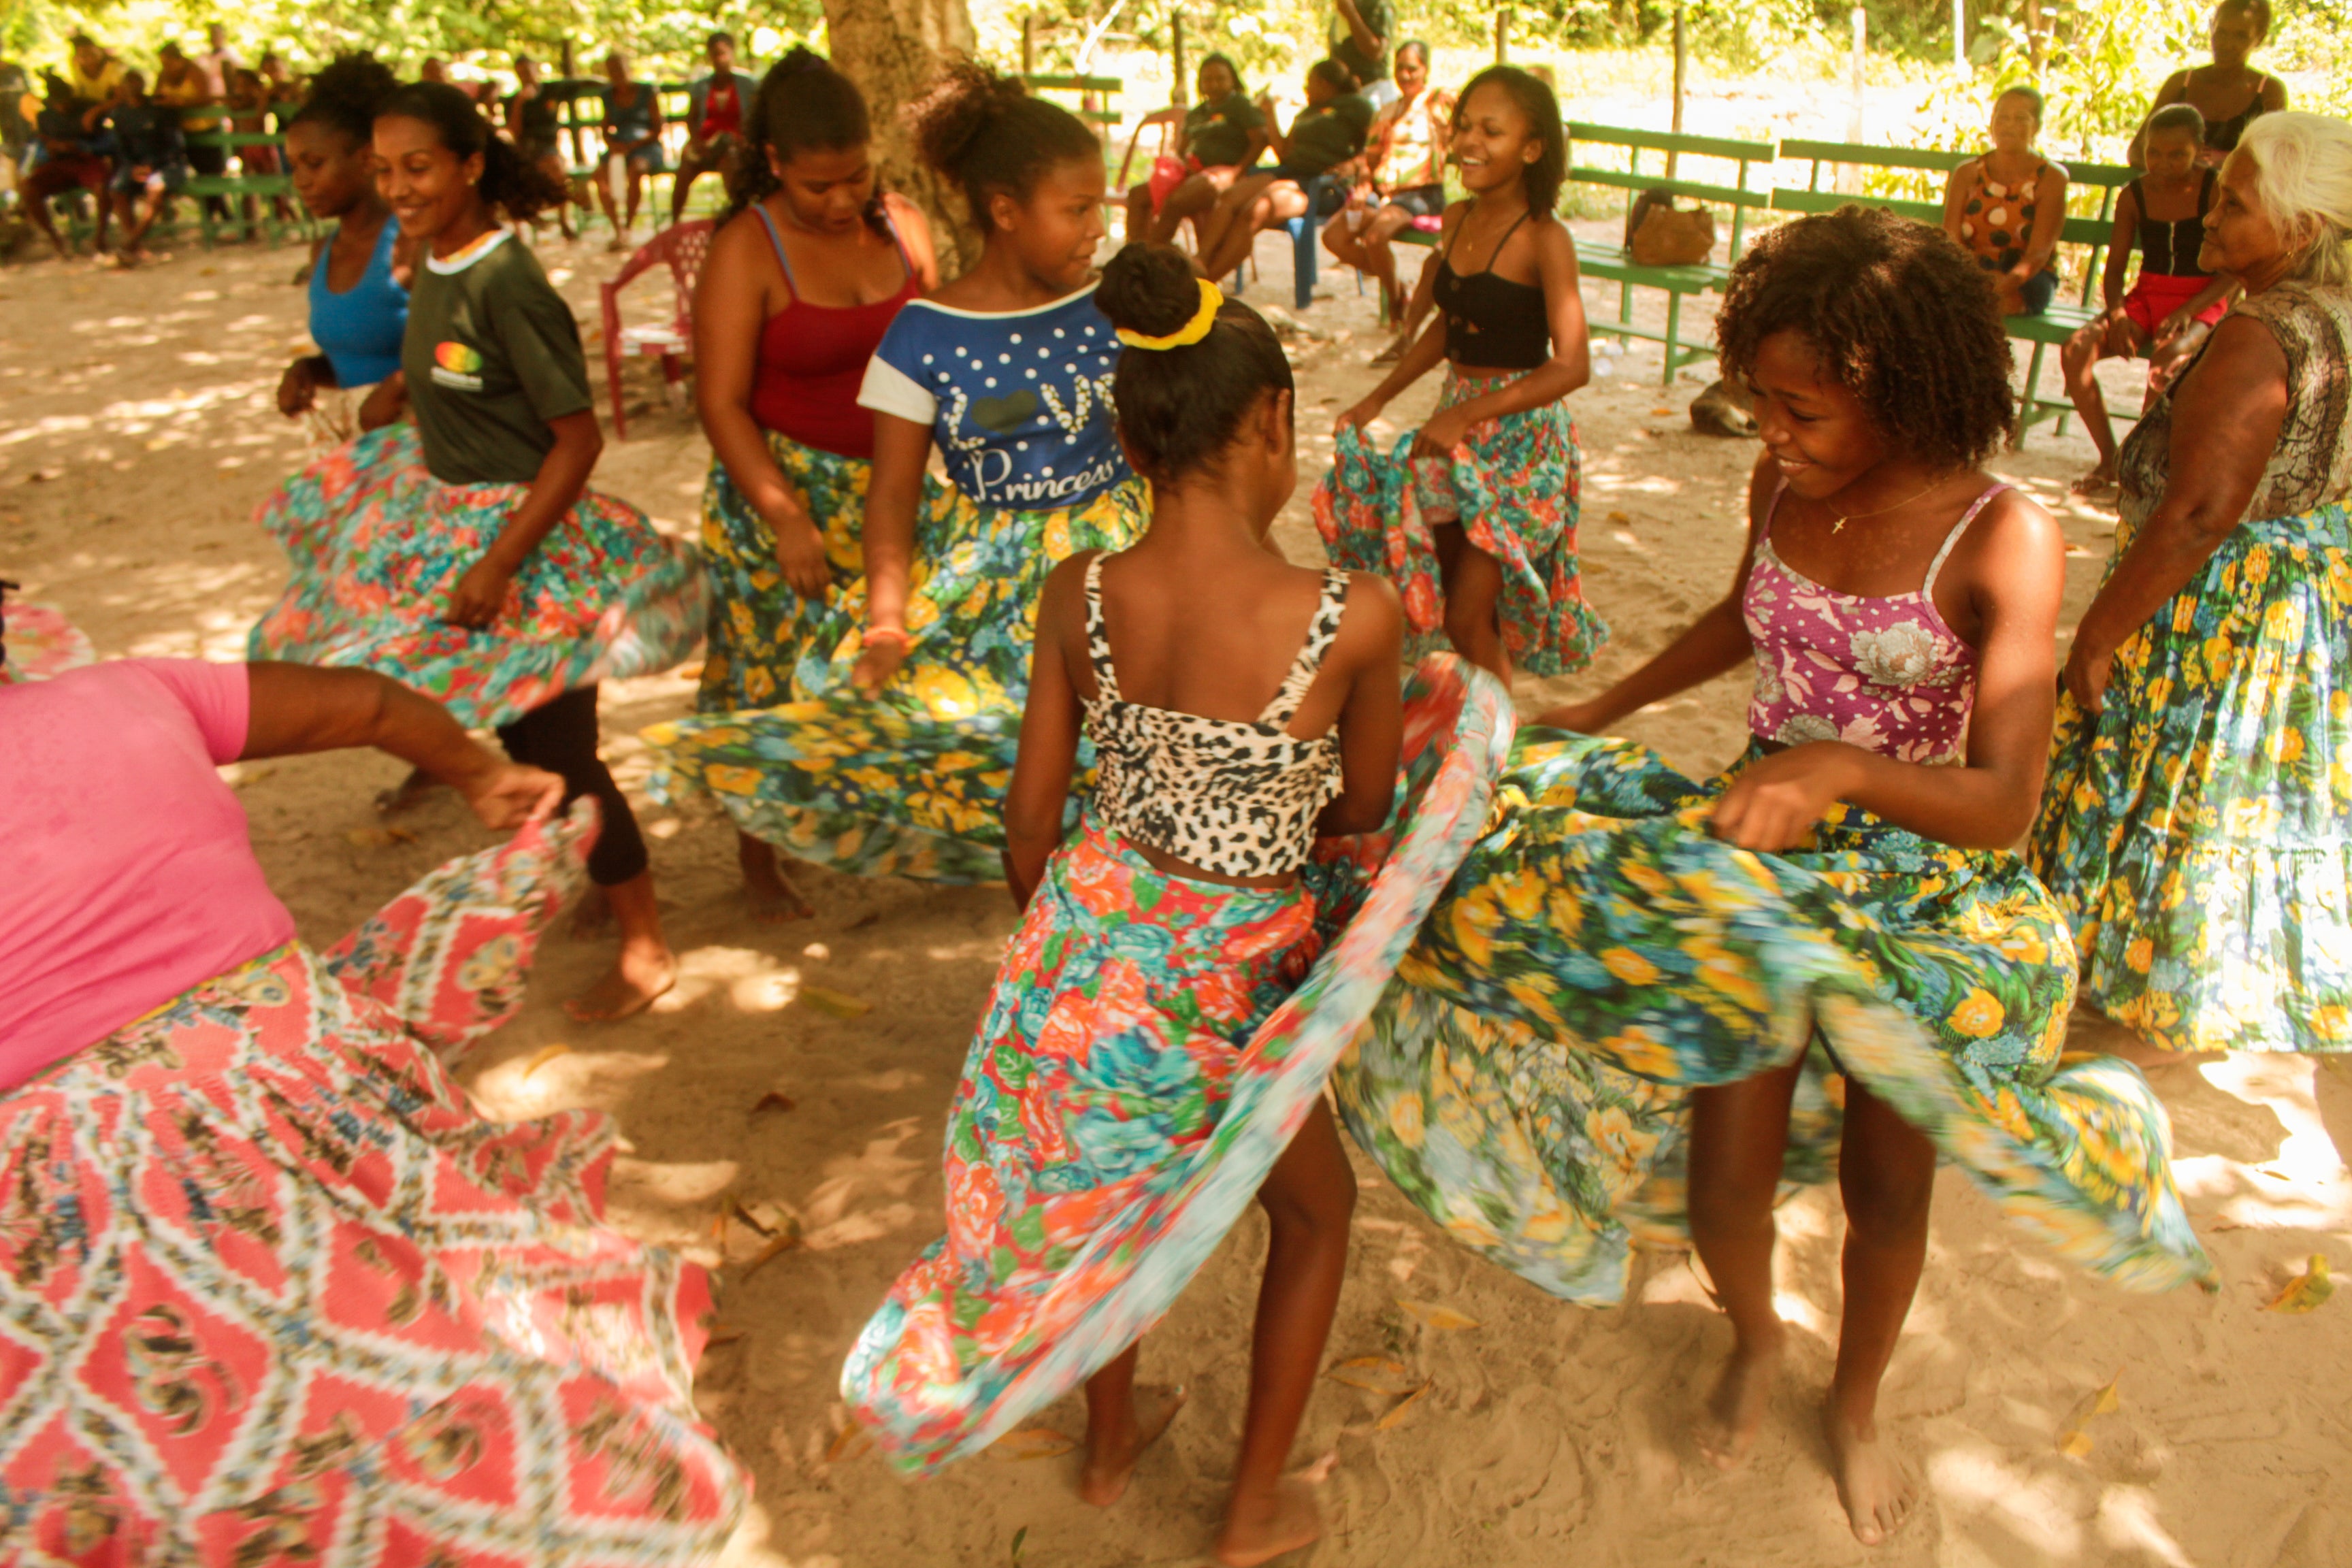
x=1886, y=675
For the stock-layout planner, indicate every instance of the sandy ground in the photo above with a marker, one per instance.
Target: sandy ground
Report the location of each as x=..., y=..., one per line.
x=136, y=436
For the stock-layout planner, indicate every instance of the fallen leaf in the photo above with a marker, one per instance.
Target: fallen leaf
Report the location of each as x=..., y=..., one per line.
x=768, y=1217
x=1656, y=411
x=690, y=671
x=759, y=1260
x=862, y=922
x=1436, y=1316
x=722, y=1335
x=719, y=1226
x=1376, y=1374
x=2307, y=1290
x=1619, y=517
x=1019, y=1537
x=772, y=1101
x=1032, y=1442
x=1318, y=1470
x=1395, y=1417
x=839, y=1004
x=381, y=837
x=541, y=1057
x=850, y=1442
x=2073, y=1433
x=43, y=476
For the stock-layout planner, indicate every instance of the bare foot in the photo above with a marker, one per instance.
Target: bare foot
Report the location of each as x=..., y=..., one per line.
x=639, y=976
x=1735, y=1410
x=2097, y=483
x=1878, y=1493
x=774, y=899
x=1261, y=1528
x=1390, y=355
x=406, y=794
x=1111, y=1455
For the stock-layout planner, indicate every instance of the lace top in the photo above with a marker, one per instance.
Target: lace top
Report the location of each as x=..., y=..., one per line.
x=1238, y=799
x=1884, y=674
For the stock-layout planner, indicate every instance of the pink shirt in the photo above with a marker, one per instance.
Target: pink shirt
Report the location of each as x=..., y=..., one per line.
x=130, y=874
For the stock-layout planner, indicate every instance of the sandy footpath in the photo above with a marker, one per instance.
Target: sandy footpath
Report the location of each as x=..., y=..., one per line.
x=137, y=434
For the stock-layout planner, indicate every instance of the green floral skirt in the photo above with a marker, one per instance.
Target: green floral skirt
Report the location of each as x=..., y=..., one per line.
x=2199, y=831
x=759, y=628
x=1600, y=954
x=911, y=783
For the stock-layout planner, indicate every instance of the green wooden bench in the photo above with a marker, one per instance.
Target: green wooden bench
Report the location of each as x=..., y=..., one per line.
x=265, y=190
x=1084, y=86
x=1614, y=263
x=2064, y=317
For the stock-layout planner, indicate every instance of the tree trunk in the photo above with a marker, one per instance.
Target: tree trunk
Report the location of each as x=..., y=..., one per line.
x=892, y=49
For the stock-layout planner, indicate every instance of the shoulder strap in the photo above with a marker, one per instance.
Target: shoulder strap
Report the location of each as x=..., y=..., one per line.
x=1309, y=662
x=1927, y=588
x=776, y=239
x=1772, y=509
x=891, y=229
x=1497, y=253
x=1097, y=639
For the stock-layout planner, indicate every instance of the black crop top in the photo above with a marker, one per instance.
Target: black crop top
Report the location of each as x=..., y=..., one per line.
x=1492, y=324
x=2168, y=249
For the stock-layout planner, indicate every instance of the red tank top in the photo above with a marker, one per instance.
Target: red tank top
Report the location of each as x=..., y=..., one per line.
x=813, y=359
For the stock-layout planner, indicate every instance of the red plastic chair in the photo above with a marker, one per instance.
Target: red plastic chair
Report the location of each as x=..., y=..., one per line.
x=682, y=247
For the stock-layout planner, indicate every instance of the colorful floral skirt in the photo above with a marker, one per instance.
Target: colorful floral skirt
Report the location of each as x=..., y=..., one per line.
x=311, y=513
x=604, y=596
x=39, y=642
x=1149, y=1052
x=1600, y=954
x=278, y=1294
x=2199, y=831
x=759, y=628
x=1512, y=485
x=910, y=784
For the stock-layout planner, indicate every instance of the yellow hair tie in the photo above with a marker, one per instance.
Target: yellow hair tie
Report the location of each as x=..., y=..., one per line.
x=1191, y=331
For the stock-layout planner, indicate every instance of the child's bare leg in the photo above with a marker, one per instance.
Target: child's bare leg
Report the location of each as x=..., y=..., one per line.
x=1120, y=1427
x=1738, y=1133
x=645, y=968
x=1886, y=1176
x=1474, y=589
x=1309, y=1196
x=775, y=896
x=407, y=794
x=2080, y=360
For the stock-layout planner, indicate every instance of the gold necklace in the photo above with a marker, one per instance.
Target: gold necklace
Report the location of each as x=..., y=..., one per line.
x=1847, y=517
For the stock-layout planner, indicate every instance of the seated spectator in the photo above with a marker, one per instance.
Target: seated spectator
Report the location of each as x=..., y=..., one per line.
x=1404, y=176
x=93, y=74
x=250, y=99
x=633, y=127
x=284, y=87
x=1221, y=135
x=74, y=150
x=150, y=163
x=714, y=120
x=2005, y=207
x=534, y=123
x=180, y=85
x=1323, y=141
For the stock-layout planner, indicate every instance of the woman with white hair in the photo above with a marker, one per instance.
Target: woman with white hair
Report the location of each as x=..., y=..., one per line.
x=2197, y=825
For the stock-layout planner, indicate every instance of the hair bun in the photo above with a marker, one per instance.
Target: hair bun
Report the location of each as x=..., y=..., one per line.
x=1151, y=290
x=801, y=58
x=956, y=112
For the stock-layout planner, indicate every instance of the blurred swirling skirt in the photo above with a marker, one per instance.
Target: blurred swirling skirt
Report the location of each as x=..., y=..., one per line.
x=1152, y=1046
x=1512, y=487
x=1600, y=954
x=376, y=548
x=911, y=783
x=2199, y=830
x=277, y=1293
x=759, y=628
x=39, y=642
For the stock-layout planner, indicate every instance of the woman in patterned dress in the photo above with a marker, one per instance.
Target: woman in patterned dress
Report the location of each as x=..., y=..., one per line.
x=803, y=278
x=1628, y=971
x=893, y=754
x=1150, y=1056
x=2198, y=824
x=500, y=585
x=275, y=1291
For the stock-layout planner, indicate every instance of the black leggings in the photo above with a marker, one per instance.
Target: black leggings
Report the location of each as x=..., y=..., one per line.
x=560, y=736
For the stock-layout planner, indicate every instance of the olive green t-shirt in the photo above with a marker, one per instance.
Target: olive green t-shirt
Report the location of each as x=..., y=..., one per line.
x=491, y=356
x=1218, y=133
x=1329, y=135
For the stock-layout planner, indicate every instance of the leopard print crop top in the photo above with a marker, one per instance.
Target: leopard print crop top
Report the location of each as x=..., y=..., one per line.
x=1235, y=798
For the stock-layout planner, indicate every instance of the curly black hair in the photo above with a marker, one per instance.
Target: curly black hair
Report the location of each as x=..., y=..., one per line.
x=986, y=134
x=803, y=104
x=1901, y=317
x=1179, y=408
x=346, y=94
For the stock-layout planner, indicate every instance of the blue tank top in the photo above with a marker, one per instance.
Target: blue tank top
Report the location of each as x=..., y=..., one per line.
x=360, y=330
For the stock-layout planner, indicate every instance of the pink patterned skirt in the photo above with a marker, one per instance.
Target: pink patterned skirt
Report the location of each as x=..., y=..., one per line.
x=276, y=1294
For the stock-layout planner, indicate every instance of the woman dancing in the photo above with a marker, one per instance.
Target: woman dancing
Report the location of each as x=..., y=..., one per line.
x=1631, y=968
x=1474, y=515
x=1137, y=1074
x=2194, y=829
x=500, y=584
x=895, y=756
x=802, y=280
x=281, y=1293
x=2230, y=93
